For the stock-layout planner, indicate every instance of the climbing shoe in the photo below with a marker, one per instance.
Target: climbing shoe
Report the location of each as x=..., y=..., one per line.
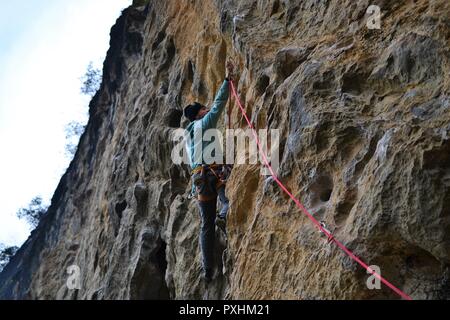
x=221, y=222
x=207, y=275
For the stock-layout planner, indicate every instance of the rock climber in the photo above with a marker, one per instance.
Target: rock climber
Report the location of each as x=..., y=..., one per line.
x=208, y=179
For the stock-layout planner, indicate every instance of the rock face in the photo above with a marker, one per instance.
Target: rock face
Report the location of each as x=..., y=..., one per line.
x=364, y=117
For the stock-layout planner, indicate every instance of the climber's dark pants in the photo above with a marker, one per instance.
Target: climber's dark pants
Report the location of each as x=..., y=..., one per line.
x=207, y=232
x=224, y=201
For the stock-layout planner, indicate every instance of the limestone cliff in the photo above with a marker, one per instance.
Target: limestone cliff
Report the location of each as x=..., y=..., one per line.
x=364, y=116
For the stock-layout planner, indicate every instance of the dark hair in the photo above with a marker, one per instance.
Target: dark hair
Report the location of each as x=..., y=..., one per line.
x=192, y=110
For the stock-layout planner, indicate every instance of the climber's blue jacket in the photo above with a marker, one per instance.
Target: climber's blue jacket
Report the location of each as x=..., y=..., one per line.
x=209, y=121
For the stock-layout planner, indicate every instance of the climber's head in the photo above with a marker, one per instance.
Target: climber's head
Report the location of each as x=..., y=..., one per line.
x=195, y=111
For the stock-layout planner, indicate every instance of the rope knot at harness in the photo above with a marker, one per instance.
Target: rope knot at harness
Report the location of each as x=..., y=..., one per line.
x=320, y=225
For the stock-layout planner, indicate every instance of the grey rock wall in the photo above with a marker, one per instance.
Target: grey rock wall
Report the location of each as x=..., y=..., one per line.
x=364, y=117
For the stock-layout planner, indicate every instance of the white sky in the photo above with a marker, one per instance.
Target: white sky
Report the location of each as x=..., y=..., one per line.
x=45, y=47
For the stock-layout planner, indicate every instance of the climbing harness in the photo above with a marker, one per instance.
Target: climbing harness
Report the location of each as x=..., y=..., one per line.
x=305, y=211
x=206, y=182
x=199, y=168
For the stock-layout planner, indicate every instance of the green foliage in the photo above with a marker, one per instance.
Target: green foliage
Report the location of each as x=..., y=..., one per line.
x=138, y=3
x=74, y=128
x=6, y=253
x=73, y=131
x=34, y=212
x=91, y=80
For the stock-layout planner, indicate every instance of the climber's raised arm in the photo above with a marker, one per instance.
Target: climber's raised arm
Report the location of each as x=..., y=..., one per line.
x=211, y=118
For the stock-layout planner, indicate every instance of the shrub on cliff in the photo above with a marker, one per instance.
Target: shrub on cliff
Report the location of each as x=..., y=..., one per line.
x=74, y=130
x=91, y=80
x=6, y=253
x=34, y=212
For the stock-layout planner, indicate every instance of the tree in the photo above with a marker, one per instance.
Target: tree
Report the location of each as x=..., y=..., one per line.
x=6, y=253
x=91, y=80
x=34, y=212
x=73, y=130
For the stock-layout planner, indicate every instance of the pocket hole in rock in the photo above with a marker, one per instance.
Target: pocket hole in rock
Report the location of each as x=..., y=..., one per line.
x=325, y=195
x=321, y=190
x=120, y=207
x=173, y=118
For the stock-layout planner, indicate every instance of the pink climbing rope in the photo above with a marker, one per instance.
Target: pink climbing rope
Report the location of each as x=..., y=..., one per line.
x=306, y=212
